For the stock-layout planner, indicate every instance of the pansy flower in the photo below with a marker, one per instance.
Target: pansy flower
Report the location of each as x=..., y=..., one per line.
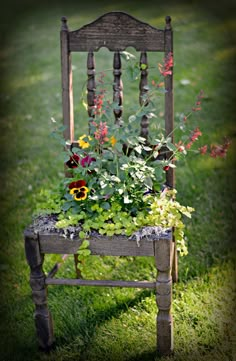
x=78, y=190
x=73, y=161
x=113, y=140
x=86, y=161
x=83, y=143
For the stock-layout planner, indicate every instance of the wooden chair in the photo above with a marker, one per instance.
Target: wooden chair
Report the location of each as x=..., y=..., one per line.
x=115, y=31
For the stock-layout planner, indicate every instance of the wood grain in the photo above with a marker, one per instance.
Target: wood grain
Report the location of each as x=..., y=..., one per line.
x=42, y=316
x=100, y=245
x=66, y=79
x=100, y=283
x=163, y=257
x=116, y=31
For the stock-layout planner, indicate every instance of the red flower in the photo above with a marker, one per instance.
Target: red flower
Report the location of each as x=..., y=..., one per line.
x=203, y=149
x=168, y=65
x=195, y=134
x=180, y=146
x=166, y=167
x=193, y=137
x=198, y=102
x=101, y=133
x=189, y=145
x=220, y=150
x=73, y=161
x=77, y=184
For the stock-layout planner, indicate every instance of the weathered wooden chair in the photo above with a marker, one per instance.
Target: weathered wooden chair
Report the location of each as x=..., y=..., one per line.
x=115, y=31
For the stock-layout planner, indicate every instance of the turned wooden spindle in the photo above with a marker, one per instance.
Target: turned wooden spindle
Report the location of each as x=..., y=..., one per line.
x=117, y=88
x=42, y=316
x=91, y=85
x=143, y=90
x=163, y=257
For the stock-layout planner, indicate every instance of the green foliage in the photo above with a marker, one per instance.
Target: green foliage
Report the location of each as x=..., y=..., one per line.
x=83, y=252
x=114, y=167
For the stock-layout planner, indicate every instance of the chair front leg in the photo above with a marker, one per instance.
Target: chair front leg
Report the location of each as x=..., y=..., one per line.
x=42, y=316
x=163, y=253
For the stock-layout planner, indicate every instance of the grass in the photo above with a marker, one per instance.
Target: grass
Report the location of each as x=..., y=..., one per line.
x=119, y=324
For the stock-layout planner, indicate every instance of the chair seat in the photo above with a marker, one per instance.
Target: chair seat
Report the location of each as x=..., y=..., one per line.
x=66, y=240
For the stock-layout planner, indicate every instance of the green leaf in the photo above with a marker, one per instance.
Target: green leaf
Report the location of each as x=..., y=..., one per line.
x=171, y=146
x=106, y=205
x=82, y=234
x=119, y=147
x=127, y=56
x=132, y=72
x=148, y=149
x=84, y=252
x=138, y=149
x=148, y=182
x=84, y=244
x=143, y=66
x=66, y=206
x=132, y=118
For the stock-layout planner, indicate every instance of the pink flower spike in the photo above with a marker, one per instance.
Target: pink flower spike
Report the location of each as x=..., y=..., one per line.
x=101, y=133
x=220, y=150
x=195, y=134
x=168, y=65
x=203, y=149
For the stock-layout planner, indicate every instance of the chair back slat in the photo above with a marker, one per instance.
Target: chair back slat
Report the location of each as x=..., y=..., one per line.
x=117, y=87
x=91, y=84
x=143, y=92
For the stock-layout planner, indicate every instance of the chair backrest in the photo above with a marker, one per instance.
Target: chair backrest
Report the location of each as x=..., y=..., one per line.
x=115, y=31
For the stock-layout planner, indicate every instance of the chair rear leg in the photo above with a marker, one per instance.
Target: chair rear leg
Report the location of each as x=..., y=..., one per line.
x=42, y=316
x=77, y=270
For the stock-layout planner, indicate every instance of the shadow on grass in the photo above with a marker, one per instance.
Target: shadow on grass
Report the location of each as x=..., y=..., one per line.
x=90, y=316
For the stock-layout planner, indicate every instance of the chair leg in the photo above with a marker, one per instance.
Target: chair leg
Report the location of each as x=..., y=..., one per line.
x=175, y=264
x=42, y=316
x=163, y=250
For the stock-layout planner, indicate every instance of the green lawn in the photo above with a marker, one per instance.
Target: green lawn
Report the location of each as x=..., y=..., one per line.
x=118, y=324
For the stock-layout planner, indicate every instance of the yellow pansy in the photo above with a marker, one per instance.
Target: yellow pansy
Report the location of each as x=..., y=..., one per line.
x=79, y=194
x=113, y=140
x=82, y=143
